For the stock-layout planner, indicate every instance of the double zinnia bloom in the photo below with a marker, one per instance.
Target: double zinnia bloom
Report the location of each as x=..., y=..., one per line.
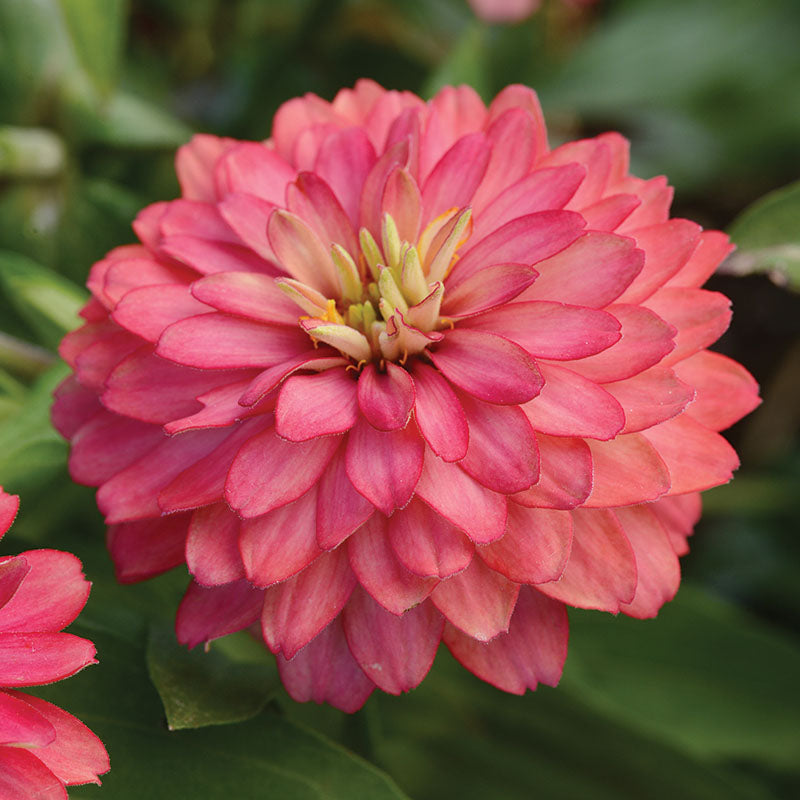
x=42, y=748
x=399, y=375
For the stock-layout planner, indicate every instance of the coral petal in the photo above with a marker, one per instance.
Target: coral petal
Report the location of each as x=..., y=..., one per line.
x=386, y=398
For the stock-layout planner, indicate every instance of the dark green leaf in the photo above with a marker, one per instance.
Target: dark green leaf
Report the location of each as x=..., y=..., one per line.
x=703, y=676
x=201, y=688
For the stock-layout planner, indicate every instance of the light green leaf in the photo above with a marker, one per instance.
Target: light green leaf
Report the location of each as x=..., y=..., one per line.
x=30, y=450
x=46, y=300
x=96, y=28
x=768, y=236
x=201, y=688
x=465, y=63
x=703, y=676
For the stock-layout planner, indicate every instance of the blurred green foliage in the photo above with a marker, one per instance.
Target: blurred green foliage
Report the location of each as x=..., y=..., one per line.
x=94, y=97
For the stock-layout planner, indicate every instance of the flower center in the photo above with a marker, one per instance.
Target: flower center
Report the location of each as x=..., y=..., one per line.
x=390, y=293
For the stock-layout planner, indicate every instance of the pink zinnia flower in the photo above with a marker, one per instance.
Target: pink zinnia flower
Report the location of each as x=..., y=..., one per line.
x=402, y=374
x=42, y=748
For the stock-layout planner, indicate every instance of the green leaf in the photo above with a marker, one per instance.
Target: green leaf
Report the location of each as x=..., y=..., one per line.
x=46, y=300
x=96, y=28
x=267, y=756
x=465, y=63
x=455, y=736
x=30, y=450
x=703, y=676
x=768, y=236
x=201, y=688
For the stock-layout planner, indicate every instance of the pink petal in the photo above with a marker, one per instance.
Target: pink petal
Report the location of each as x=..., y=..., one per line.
x=646, y=339
x=697, y=458
x=699, y=316
x=380, y=573
x=325, y=671
x=297, y=114
x=23, y=776
x=488, y=367
x=384, y=467
x=657, y=568
x=74, y=405
x=601, y=571
x=248, y=215
x=668, y=246
x=454, y=179
x=146, y=225
x=374, y=185
x=502, y=453
x=51, y=596
x=340, y=508
x=551, y=330
x=208, y=258
x=247, y=294
x=595, y=156
x=318, y=360
x=212, y=546
x=655, y=196
x=565, y=467
x=519, y=96
x=533, y=651
x=428, y=544
x=195, y=218
x=726, y=391
x=32, y=659
x=20, y=724
x=125, y=274
x=204, y=481
x=253, y=168
x=151, y=389
x=76, y=756
x=344, y=161
x=438, y=413
x=512, y=150
x=386, y=398
x=545, y=189
x=610, y=212
x=133, y=493
x=148, y=547
x=447, y=489
x=108, y=444
x=219, y=341
x=403, y=202
x=650, y=397
x=678, y=515
x=395, y=652
x=207, y=613
x=571, y=405
x=279, y=544
x=316, y=405
x=12, y=572
x=593, y=271
x=713, y=248
x=535, y=547
x=297, y=610
x=301, y=253
x=270, y=472
x=310, y=198
x=493, y=286
x=96, y=363
x=195, y=162
x=478, y=601
x=220, y=409
x=525, y=240
x=627, y=470
x=147, y=311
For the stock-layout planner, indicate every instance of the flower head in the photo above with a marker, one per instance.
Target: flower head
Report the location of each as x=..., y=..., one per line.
x=399, y=375
x=42, y=748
